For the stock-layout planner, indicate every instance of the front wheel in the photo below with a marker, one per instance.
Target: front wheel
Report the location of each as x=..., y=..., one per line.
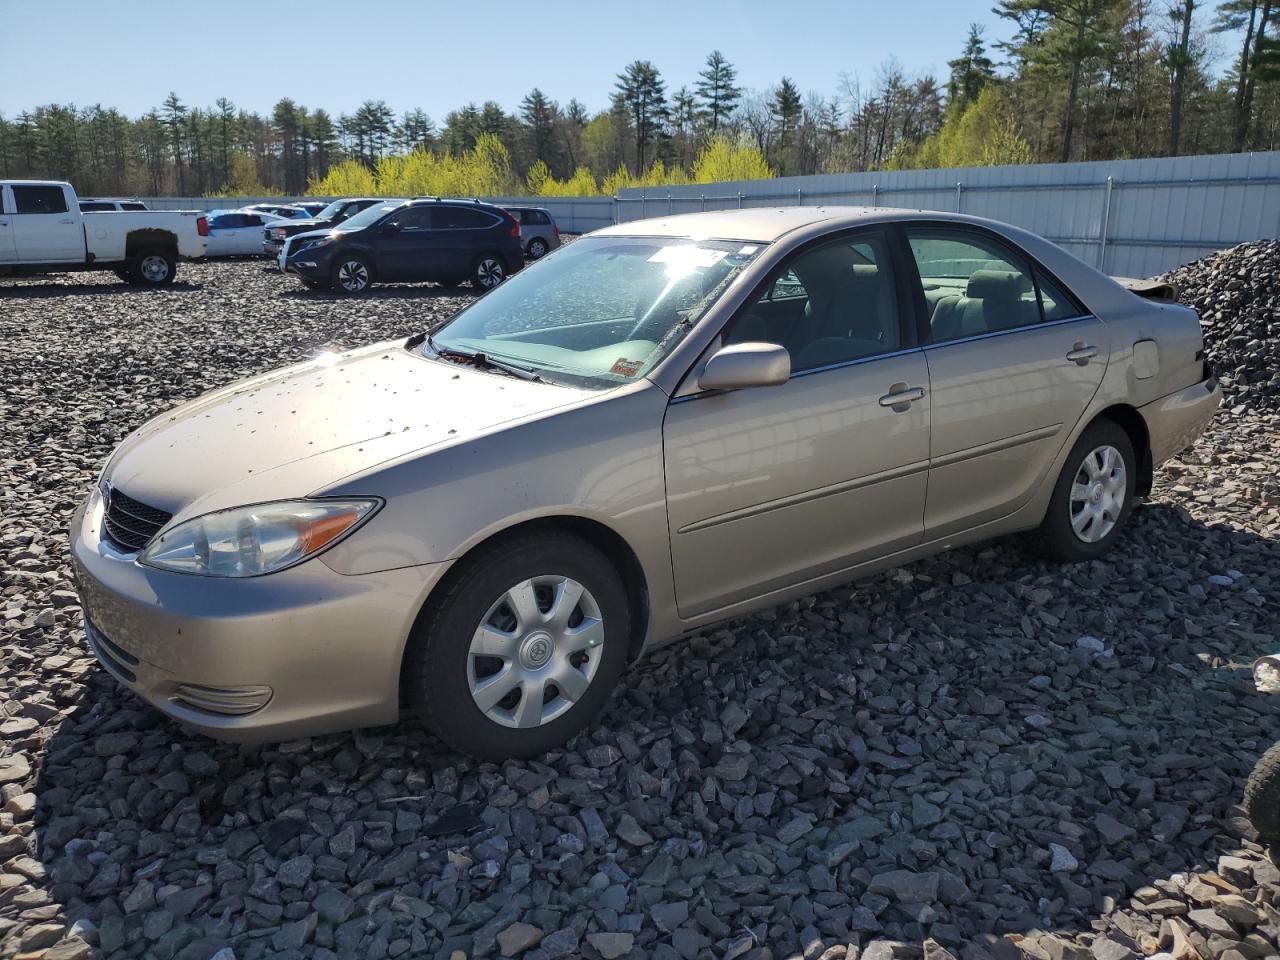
x=487, y=272
x=1262, y=796
x=352, y=274
x=523, y=648
x=153, y=267
x=1093, y=496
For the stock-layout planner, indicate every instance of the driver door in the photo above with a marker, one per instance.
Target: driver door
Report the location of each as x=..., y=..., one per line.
x=773, y=486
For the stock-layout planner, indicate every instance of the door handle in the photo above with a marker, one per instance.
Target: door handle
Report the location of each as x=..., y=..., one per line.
x=901, y=395
x=66, y=220
x=1081, y=352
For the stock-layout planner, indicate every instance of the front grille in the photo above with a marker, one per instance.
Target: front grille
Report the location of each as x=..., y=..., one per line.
x=130, y=525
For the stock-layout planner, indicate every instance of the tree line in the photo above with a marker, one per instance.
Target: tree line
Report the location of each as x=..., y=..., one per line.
x=1076, y=80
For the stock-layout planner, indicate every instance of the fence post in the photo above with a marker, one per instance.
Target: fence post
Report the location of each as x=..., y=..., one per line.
x=875, y=194
x=668, y=203
x=1106, y=224
x=959, y=191
x=704, y=202
x=799, y=197
x=739, y=199
x=614, y=203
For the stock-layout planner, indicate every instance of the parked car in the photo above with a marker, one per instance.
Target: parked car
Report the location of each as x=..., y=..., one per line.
x=286, y=211
x=410, y=241
x=43, y=231
x=538, y=230
x=669, y=423
x=238, y=233
x=330, y=216
x=107, y=205
x=313, y=207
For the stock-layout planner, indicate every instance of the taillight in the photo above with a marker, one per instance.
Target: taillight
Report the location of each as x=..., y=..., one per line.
x=202, y=226
x=556, y=231
x=515, y=229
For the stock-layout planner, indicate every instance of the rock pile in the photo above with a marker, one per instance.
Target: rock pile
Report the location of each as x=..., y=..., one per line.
x=1237, y=293
x=979, y=756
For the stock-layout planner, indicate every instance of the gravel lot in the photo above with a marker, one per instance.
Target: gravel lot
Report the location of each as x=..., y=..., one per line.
x=980, y=755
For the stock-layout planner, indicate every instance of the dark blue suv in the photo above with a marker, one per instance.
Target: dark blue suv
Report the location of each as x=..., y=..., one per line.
x=426, y=238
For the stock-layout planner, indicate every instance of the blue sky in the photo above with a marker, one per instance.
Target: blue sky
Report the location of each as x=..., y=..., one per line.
x=440, y=55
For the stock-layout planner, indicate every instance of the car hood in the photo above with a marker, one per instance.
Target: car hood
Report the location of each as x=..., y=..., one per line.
x=296, y=431
x=303, y=226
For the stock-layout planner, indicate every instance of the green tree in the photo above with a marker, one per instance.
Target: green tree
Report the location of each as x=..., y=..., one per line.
x=787, y=109
x=970, y=71
x=539, y=116
x=642, y=92
x=717, y=92
x=1178, y=59
x=174, y=115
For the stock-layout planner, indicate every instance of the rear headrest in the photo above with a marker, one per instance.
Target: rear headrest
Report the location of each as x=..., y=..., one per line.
x=998, y=285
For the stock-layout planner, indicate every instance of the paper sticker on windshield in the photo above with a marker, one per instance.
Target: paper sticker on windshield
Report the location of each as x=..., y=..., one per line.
x=623, y=367
x=748, y=250
x=690, y=258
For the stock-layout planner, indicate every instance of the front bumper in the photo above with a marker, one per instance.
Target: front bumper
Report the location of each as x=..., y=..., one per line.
x=296, y=653
x=1174, y=422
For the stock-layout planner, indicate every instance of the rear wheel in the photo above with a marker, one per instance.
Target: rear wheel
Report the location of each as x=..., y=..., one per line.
x=153, y=267
x=537, y=248
x=352, y=274
x=487, y=272
x=522, y=649
x=1093, y=496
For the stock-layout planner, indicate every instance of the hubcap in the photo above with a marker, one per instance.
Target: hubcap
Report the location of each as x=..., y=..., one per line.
x=535, y=652
x=1097, y=494
x=155, y=268
x=537, y=249
x=489, y=273
x=353, y=275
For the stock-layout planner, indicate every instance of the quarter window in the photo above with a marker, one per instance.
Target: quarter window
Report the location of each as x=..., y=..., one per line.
x=832, y=304
x=1056, y=303
x=972, y=285
x=33, y=199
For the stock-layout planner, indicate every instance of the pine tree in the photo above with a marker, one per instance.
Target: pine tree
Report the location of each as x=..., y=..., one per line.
x=643, y=94
x=970, y=71
x=174, y=117
x=717, y=93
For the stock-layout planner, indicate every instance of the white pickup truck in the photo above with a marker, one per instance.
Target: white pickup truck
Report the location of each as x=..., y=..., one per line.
x=43, y=231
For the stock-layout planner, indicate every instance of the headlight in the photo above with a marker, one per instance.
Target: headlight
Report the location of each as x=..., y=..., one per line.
x=280, y=232
x=251, y=541
x=317, y=242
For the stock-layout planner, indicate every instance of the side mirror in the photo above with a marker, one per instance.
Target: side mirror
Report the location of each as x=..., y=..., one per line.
x=740, y=366
x=391, y=226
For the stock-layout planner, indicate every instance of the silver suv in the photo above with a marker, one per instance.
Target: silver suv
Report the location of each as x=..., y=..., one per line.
x=538, y=231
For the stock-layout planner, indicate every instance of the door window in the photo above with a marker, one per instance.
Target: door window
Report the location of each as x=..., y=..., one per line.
x=831, y=304
x=227, y=221
x=133, y=206
x=973, y=285
x=462, y=218
x=34, y=199
x=415, y=218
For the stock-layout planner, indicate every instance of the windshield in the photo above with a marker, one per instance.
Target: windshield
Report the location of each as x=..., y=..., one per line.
x=331, y=211
x=601, y=311
x=368, y=215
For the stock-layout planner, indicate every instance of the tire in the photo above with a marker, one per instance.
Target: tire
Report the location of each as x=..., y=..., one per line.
x=537, y=248
x=1262, y=795
x=1098, y=514
x=152, y=267
x=488, y=271
x=352, y=274
x=446, y=678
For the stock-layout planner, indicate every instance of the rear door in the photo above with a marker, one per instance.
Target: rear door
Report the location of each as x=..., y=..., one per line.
x=45, y=230
x=465, y=232
x=7, y=252
x=1013, y=362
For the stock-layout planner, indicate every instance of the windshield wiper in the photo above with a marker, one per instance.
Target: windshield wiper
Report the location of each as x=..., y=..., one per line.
x=486, y=361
